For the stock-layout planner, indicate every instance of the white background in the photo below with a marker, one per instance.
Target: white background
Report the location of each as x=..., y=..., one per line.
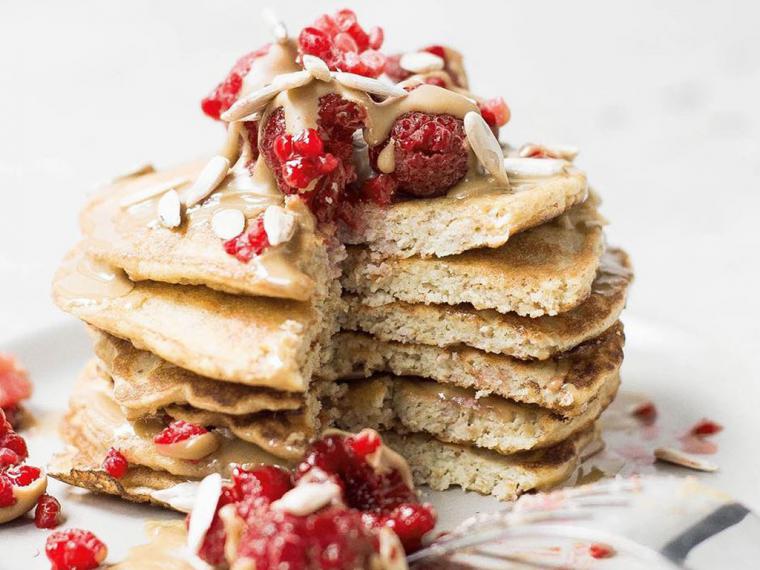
x=662, y=98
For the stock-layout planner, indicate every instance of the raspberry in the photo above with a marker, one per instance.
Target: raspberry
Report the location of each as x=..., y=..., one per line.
x=23, y=475
x=115, y=464
x=365, y=443
x=380, y=189
x=177, y=431
x=430, y=153
x=269, y=482
x=226, y=93
x=8, y=457
x=250, y=243
x=705, y=427
x=75, y=549
x=410, y=522
x=341, y=42
x=297, y=164
x=495, y=112
x=14, y=382
x=48, y=512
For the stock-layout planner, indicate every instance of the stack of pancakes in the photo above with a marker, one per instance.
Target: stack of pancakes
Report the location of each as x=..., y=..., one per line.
x=479, y=334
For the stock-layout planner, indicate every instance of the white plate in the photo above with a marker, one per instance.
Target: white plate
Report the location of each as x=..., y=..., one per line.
x=671, y=367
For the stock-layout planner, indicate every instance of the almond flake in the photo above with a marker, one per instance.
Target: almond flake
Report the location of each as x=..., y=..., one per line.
x=203, y=511
x=368, y=85
x=676, y=457
x=534, y=166
x=259, y=99
x=421, y=62
x=228, y=224
x=170, y=210
x=279, y=224
x=180, y=496
x=276, y=26
x=209, y=178
x=307, y=498
x=485, y=146
x=152, y=191
x=317, y=67
x=252, y=118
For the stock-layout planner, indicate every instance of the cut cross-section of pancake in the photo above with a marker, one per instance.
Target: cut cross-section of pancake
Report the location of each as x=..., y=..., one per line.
x=130, y=237
x=478, y=218
x=145, y=383
x=543, y=271
x=565, y=384
x=442, y=465
x=259, y=341
x=96, y=423
x=457, y=415
x=489, y=330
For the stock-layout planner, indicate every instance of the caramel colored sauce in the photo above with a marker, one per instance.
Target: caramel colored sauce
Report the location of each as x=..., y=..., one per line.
x=165, y=549
x=86, y=281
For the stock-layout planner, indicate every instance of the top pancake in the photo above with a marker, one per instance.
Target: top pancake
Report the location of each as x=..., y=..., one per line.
x=130, y=238
x=446, y=226
x=544, y=271
x=259, y=341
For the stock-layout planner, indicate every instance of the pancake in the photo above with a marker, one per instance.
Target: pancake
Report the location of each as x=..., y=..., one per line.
x=447, y=226
x=139, y=484
x=489, y=330
x=145, y=383
x=95, y=423
x=443, y=465
x=543, y=271
x=258, y=341
x=457, y=415
x=130, y=238
x=564, y=384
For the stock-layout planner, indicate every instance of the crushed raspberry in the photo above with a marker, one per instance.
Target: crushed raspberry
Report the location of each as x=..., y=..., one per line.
x=600, y=551
x=303, y=158
x=47, y=514
x=430, y=155
x=495, y=112
x=177, y=431
x=23, y=475
x=115, y=464
x=410, y=522
x=705, y=427
x=75, y=549
x=250, y=243
x=15, y=443
x=8, y=457
x=379, y=189
x=646, y=412
x=269, y=482
x=226, y=93
x=341, y=42
x=364, y=443
x=6, y=491
x=14, y=382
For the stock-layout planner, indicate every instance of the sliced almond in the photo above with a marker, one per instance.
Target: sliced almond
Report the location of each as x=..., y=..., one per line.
x=276, y=26
x=279, y=224
x=317, y=67
x=259, y=99
x=209, y=178
x=485, y=146
x=153, y=191
x=421, y=62
x=534, y=166
x=676, y=457
x=228, y=223
x=203, y=511
x=307, y=498
x=368, y=85
x=252, y=118
x=180, y=496
x=170, y=210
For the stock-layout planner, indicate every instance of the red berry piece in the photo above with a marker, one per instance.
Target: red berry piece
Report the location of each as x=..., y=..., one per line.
x=14, y=382
x=115, y=464
x=15, y=443
x=365, y=443
x=645, y=411
x=705, y=427
x=226, y=93
x=47, y=514
x=177, y=431
x=495, y=112
x=23, y=475
x=250, y=243
x=6, y=491
x=75, y=549
x=600, y=551
x=430, y=153
x=8, y=457
x=411, y=522
x=343, y=44
x=380, y=189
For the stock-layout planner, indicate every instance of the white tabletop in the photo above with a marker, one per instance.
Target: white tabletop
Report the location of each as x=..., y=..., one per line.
x=662, y=98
